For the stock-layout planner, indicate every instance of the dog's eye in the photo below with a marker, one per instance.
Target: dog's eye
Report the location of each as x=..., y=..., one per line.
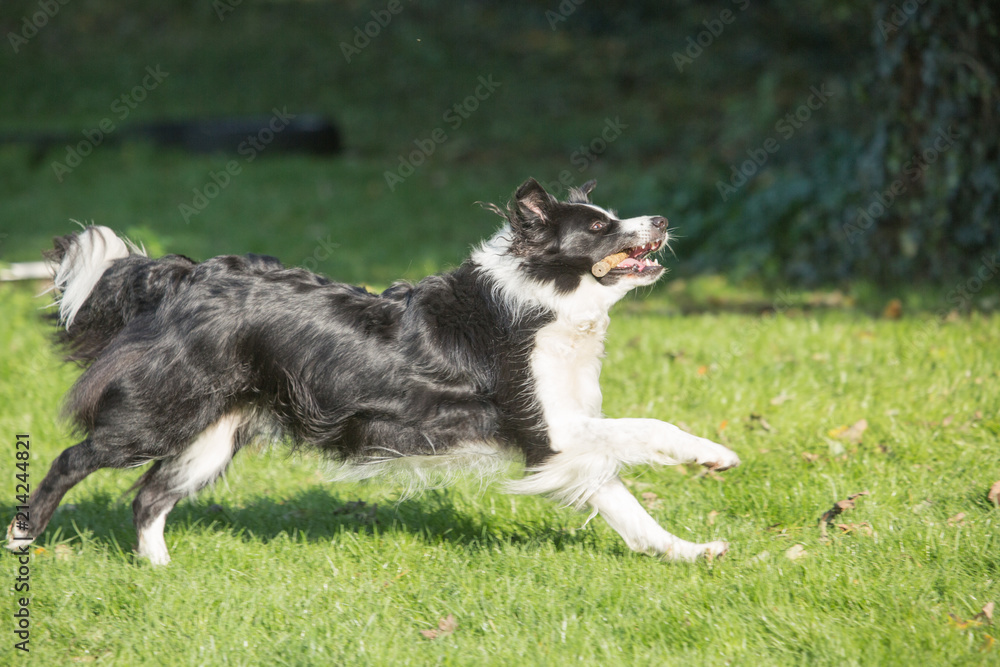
x=598, y=225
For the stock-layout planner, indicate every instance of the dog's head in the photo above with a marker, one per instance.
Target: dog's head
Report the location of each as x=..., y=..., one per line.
x=560, y=242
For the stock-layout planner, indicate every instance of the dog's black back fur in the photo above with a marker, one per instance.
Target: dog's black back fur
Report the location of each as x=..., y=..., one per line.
x=415, y=370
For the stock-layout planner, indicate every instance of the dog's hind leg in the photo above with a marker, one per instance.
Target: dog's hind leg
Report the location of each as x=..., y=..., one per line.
x=170, y=480
x=156, y=497
x=67, y=470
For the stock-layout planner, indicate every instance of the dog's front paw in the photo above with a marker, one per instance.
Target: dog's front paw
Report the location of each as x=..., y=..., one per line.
x=691, y=552
x=715, y=550
x=718, y=458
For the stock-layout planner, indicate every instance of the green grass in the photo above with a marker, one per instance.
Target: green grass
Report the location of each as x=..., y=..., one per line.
x=274, y=565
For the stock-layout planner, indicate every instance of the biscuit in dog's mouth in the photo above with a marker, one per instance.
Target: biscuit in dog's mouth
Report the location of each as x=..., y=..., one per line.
x=629, y=260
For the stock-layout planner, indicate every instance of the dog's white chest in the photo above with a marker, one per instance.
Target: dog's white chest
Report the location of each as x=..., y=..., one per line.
x=566, y=364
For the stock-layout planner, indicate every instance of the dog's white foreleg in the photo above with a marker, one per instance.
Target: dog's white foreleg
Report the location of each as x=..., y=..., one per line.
x=640, y=531
x=591, y=451
x=635, y=441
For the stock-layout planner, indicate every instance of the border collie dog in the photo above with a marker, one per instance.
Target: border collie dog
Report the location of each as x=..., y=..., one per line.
x=186, y=363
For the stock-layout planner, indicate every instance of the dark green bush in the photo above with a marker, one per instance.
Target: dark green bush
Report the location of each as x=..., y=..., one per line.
x=906, y=190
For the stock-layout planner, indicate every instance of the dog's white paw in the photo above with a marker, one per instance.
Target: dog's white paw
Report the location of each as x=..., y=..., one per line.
x=690, y=552
x=718, y=458
x=157, y=559
x=153, y=549
x=717, y=549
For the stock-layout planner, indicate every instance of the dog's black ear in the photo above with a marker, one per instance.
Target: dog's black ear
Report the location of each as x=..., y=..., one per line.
x=533, y=201
x=581, y=195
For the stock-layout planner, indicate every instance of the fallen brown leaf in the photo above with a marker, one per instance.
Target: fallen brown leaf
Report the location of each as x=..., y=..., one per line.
x=852, y=433
x=758, y=420
x=711, y=517
x=445, y=627
x=810, y=457
x=987, y=612
x=781, y=398
x=839, y=507
x=958, y=518
x=649, y=498
x=994, y=495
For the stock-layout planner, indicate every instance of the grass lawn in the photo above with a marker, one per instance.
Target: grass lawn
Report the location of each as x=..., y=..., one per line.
x=274, y=565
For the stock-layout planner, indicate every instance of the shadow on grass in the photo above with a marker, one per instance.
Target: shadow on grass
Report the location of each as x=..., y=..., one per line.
x=315, y=514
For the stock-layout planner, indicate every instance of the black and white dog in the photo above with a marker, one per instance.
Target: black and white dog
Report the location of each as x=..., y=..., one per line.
x=188, y=363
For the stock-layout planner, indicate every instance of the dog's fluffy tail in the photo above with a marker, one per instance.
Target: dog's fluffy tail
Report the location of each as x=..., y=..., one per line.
x=81, y=259
x=102, y=282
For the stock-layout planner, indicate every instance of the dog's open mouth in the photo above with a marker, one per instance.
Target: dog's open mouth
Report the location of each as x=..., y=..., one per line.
x=632, y=260
x=638, y=258
x=629, y=260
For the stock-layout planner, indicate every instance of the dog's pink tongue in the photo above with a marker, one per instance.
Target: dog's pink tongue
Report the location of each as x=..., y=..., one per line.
x=627, y=262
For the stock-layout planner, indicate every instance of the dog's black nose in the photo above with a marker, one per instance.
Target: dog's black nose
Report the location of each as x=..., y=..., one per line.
x=658, y=221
